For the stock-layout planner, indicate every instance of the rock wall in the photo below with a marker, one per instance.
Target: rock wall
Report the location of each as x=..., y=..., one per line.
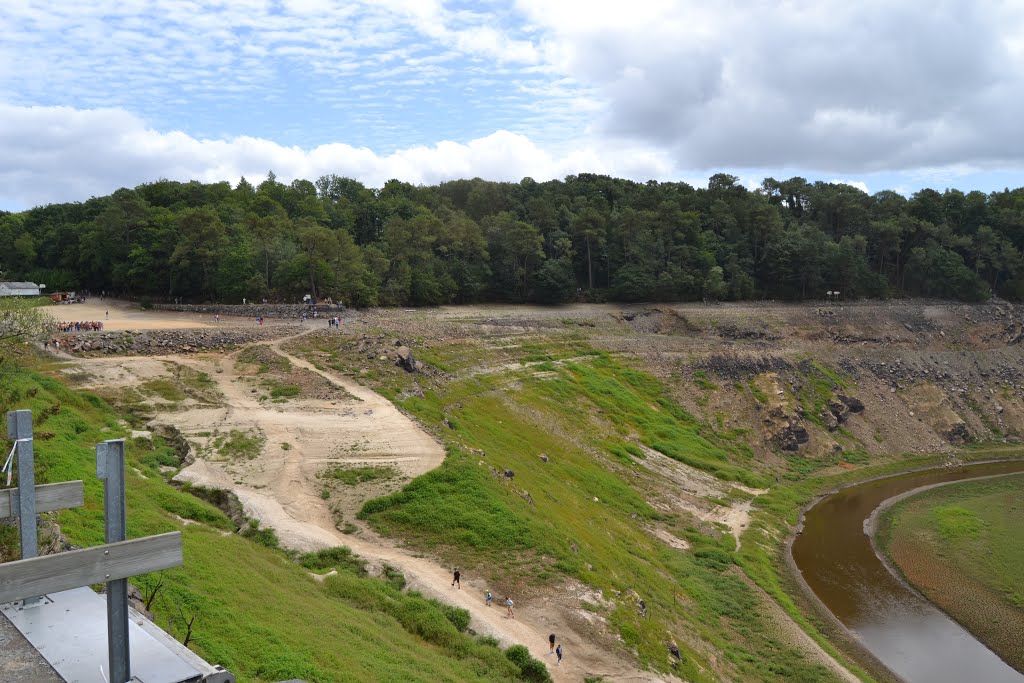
x=253, y=310
x=159, y=342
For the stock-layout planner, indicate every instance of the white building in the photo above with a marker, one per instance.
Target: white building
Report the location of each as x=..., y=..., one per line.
x=20, y=289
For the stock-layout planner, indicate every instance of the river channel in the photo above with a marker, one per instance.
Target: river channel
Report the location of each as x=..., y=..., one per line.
x=912, y=637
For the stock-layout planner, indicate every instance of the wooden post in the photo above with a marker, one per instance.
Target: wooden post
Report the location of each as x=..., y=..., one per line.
x=110, y=468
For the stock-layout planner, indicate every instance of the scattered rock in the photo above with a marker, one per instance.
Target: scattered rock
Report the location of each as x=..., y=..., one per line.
x=405, y=359
x=854, y=404
x=839, y=409
x=957, y=434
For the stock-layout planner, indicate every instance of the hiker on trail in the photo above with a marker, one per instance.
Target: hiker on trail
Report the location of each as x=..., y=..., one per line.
x=558, y=653
x=108, y=315
x=487, y=598
x=456, y=578
x=508, y=606
x=46, y=344
x=551, y=642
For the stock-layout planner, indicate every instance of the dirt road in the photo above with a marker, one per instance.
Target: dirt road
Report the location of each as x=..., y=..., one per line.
x=280, y=487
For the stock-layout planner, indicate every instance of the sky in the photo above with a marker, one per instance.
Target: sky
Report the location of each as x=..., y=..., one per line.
x=880, y=94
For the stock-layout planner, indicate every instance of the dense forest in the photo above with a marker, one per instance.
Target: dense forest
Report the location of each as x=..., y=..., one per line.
x=587, y=238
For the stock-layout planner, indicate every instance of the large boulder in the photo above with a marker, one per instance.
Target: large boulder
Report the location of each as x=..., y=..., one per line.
x=405, y=359
x=829, y=421
x=839, y=409
x=854, y=404
x=791, y=436
x=958, y=433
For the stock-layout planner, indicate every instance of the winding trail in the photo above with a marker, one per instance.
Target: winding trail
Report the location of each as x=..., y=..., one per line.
x=280, y=488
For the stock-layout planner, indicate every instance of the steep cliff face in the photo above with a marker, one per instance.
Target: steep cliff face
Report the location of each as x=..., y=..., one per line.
x=870, y=378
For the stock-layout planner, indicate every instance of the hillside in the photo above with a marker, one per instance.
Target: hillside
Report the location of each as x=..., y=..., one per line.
x=629, y=474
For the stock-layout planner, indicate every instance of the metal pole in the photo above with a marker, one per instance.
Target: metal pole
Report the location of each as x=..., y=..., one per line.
x=110, y=468
x=19, y=426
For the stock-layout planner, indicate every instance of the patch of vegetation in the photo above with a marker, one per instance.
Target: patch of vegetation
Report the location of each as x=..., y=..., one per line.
x=263, y=358
x=700, y=378
x=817, y=388
x=285, y=391
x=352, y=476
x=801, y=467
x=954, y=522
x=240, y=445
x=166, y=389
x=338, y=557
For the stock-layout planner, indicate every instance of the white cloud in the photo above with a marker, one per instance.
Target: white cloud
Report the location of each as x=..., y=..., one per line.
x=859, y=184
x=63, y=154
x=825, y=84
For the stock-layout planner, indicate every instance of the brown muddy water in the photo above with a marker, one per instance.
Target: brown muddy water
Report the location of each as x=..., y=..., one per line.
x=911, y=636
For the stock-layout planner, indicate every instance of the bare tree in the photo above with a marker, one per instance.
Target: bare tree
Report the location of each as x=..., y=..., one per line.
x=188, y=622
x=151, y=588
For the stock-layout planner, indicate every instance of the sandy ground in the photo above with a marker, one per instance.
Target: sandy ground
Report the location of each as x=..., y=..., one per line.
x=281, y=489
x=125, y=315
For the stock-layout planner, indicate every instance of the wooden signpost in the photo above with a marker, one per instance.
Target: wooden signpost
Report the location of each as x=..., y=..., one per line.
x=112, y=563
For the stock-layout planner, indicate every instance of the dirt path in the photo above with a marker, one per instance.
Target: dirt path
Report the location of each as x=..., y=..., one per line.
x=280, y=488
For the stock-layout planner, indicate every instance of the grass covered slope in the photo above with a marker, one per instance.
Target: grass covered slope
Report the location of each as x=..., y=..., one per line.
x=585, y=511
x=962, y=545
x=257, y=611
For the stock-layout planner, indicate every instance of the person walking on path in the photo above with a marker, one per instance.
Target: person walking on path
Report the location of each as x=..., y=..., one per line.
x=456, y=578
x=558, y=653
x=551, y=642
x=487, y=598
x=508, y=607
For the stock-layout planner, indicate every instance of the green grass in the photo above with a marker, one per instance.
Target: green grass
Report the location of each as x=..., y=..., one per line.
x=166, y=389
x=263, y=358
x=818, y=384
x=587, y=519
x=351, y=476
x=977, y=526
x=963, y=545
x=700, y=378
x=285, y=391
x=253, y=603
x=240, y=445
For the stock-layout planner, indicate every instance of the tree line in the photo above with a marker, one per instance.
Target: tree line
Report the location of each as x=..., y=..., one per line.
x=584, y=238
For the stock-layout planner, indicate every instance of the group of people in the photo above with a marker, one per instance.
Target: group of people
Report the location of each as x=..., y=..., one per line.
x=80, y=326
x=334, y=322
x=556, y=648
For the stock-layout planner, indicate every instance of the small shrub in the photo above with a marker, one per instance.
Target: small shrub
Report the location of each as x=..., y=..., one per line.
x=338, y=557
x=393, y=577
x=265, y=536
x=458, y=616
x=518, y=655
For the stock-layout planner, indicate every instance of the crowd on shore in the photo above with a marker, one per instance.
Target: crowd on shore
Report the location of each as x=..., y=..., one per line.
x=80, y=326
